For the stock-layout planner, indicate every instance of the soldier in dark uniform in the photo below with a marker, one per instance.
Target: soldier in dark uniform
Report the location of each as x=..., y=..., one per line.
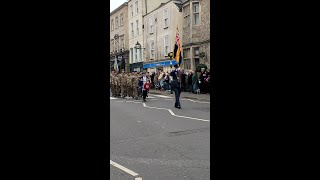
x=176, y=85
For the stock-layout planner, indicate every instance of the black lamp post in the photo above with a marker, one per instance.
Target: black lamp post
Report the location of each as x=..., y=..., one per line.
x=170, y=54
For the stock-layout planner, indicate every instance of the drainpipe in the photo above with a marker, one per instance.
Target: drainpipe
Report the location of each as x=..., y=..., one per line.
x=146, y=6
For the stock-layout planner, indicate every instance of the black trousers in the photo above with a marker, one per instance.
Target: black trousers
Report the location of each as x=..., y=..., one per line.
x=144, y=94
x=177, y=91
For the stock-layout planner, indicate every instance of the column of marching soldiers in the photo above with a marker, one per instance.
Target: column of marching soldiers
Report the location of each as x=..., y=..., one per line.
x=124, y=84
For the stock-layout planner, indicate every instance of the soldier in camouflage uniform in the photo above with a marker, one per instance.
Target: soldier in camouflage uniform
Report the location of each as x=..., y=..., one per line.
x=112, y=83
x=116, y=84
x=122, y=83
x=125, y=80
x=135, y=81
x=129, y=85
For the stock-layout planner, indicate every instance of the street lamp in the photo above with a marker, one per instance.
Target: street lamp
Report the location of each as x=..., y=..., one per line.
x=138, y=46
x=170, y=54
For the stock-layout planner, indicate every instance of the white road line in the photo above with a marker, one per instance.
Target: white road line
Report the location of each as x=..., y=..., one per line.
x=125, y=170
x=112, y=98
x=198, y=119
x=162, y=96
x=196, y=101
x=151, y=97
x=170, y=111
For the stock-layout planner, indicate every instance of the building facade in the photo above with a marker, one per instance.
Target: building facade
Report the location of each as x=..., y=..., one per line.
x=136, y=10
x=195, y=32
x=160, y=27
x=119, y=38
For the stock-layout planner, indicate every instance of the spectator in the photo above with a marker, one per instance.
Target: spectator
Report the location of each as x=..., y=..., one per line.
x=190, y=81
x=167, y=82
x=152, y=79
x=156, y=81
x=195, y=80
x=207, y=82
x=202, y=78
x=161, y=79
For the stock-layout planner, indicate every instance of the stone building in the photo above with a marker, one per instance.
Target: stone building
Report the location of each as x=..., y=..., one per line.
x=136, y=10
x=195, y=32
x=119, y=39
x=160, y=27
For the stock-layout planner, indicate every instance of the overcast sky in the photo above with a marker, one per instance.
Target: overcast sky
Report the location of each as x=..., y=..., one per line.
x=116, y=3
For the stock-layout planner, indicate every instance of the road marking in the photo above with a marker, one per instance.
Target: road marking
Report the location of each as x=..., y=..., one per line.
x=112, y=98
x=126, y=170
x=198, y=119
x=196, y=101
x=169, y=110
x=162, y=96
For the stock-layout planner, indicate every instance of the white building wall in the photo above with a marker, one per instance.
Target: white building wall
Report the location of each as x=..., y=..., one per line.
x=159, y=32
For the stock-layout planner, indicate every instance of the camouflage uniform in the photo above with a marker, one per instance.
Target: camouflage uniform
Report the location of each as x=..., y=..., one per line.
x=129, y=85
x=135, y=81
x=122, y=84
x=116, y=85
x=112, y=84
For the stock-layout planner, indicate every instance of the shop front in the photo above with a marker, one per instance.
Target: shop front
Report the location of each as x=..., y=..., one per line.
x=164, y=65
x=138, y=67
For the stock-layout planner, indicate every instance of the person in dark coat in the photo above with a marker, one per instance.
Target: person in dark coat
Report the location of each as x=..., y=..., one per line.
x=195, y=82
x=202, y=78
x=176, y=86
x=190, y=81
x=152, y=80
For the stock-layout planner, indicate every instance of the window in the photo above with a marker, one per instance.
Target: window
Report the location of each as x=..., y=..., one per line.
x=131, y=55
x=136, y=55
x=137, y=27
x=186, y=62
x=196, y=51
x=121, y=19
x=151, y=49
x=118, y=45
x=186, y=16
x=196, y=16
x=166, y=45
x=151, y=25
x=117, y=22
x=111, y=45
x=122, y=42
x=196, y=62
x=132, y=32
x=131, y=10
x=137, y=8
x=112, y=25
x=166, y=18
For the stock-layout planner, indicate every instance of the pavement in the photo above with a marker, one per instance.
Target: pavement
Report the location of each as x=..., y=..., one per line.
x=154, y=140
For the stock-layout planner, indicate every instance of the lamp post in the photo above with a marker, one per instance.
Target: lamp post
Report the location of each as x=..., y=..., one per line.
x=170, y=54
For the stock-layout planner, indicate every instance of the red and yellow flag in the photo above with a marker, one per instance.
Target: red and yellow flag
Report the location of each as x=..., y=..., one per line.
x=177, y=49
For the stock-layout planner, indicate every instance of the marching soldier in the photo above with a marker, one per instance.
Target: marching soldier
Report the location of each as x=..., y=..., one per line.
x=122, y=84
x=117, y=85
x=112, y=83
x=135, y=81
x=129, y=85
x=176, y=85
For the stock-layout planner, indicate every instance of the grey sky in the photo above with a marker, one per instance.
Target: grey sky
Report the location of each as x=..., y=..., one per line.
x=115, y=3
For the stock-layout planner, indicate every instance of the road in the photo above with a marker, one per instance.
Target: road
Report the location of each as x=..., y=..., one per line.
x=154, y=140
